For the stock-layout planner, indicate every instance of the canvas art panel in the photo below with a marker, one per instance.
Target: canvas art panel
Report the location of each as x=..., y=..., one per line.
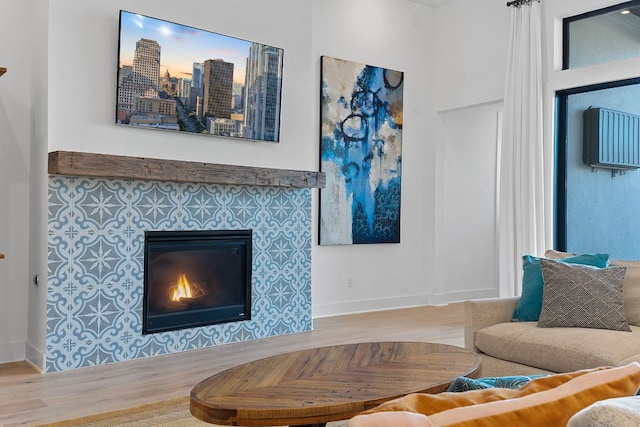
x=361, y=153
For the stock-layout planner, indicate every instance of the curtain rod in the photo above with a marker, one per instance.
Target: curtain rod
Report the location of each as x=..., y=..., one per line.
x=518, y=3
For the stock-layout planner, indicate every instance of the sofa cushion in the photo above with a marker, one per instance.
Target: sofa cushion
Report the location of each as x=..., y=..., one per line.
x=558, y=349
x=614, y=412
x=462, y=384
x=553, y=254
x=631, y=287
x=550, y=400
x=551, y=407
x=582, y=296
x=631, y=290
x=530, y=303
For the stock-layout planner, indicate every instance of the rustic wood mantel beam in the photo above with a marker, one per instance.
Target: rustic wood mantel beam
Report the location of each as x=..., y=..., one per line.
x=74, y=163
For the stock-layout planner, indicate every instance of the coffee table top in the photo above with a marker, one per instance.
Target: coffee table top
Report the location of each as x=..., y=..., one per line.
x=327, y=383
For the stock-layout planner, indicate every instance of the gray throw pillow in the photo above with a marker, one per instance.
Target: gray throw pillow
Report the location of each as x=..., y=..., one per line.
x=582, y=296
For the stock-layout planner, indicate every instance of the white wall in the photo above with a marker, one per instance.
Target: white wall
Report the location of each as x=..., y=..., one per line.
x=471, y=45
x=82, y=42
x=80, y=89
x=471, y=39
x=82, y=80
x=393, y=34
x=59, y=94
x=15, y=138
x=468, y=203
x=82, y=45
x=40, y=102
x=470, y=63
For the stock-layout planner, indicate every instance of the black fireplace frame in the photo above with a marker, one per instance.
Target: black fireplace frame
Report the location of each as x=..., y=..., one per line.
x=198, y=318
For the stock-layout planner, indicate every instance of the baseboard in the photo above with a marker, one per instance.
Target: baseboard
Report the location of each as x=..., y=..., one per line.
x=474, y=294
x=12, y=352
x=363, y=306
x=34, y=357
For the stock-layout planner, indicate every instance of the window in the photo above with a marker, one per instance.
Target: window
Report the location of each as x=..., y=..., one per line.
x=602, y=35
x=596, y=210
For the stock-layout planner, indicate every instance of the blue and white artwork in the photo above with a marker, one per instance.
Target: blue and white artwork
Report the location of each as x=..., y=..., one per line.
x=361, y=153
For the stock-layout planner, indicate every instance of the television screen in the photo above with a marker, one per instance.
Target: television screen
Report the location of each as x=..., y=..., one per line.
x=180, y=78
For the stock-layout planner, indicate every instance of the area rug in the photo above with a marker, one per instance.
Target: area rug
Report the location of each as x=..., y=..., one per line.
x=168, y=413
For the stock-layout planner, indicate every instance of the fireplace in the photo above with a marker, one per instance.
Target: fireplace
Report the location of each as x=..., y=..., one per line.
x=94, y=307
x=196, y=278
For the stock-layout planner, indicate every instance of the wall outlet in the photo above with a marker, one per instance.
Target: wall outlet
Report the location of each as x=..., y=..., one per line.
x=349, y=282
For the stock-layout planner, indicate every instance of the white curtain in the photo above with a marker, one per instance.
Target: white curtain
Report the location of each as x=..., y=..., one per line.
x=521, y=211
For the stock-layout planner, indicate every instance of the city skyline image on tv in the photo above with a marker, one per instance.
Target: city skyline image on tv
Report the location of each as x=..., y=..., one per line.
x=179, y=78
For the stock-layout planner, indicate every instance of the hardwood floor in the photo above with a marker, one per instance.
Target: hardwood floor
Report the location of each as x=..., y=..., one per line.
x=31, y=398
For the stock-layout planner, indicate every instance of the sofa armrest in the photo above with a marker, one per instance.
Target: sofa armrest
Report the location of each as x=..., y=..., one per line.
x=481, y=313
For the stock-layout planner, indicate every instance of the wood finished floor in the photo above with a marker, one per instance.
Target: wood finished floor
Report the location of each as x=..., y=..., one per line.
x=30, y=398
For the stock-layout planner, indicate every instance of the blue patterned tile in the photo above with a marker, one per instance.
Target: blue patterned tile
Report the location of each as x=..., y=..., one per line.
x=95, y=244
x=203, y=207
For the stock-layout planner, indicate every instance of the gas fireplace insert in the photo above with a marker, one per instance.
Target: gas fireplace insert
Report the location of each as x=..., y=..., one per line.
x=196, y=278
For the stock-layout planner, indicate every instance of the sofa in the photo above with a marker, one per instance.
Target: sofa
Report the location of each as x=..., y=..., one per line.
x=510, y=347
x=550, y=400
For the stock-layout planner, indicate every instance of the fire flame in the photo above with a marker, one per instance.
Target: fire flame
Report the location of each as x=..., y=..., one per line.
x=182, y=289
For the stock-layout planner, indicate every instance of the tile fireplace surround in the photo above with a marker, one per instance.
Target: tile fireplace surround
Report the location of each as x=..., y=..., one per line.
x=99, y=208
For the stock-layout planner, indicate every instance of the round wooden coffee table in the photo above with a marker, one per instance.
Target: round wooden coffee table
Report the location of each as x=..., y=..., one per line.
x=312, y=387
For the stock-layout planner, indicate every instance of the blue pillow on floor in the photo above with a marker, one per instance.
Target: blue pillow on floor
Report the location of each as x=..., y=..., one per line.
x=530, y=303
x=461, y=384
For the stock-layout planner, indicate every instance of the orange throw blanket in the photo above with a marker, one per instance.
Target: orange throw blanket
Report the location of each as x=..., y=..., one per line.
x=549, y=400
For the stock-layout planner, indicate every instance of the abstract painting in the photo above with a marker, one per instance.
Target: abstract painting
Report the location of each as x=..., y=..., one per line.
x=361, y=153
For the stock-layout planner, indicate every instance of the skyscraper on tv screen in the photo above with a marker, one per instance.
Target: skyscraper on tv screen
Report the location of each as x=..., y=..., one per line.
x=218, y=88
x=263, y=86
x=196, y=84
x=146, y=67
x=140, y=79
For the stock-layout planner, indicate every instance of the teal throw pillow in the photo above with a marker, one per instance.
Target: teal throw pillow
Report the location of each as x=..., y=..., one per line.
x=462, y=384
x=530, y=303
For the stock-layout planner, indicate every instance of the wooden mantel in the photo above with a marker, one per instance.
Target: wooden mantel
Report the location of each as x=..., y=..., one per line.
x=73, y=163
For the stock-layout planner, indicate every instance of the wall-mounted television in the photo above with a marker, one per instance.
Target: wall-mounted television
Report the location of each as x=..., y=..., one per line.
x=179, y=78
